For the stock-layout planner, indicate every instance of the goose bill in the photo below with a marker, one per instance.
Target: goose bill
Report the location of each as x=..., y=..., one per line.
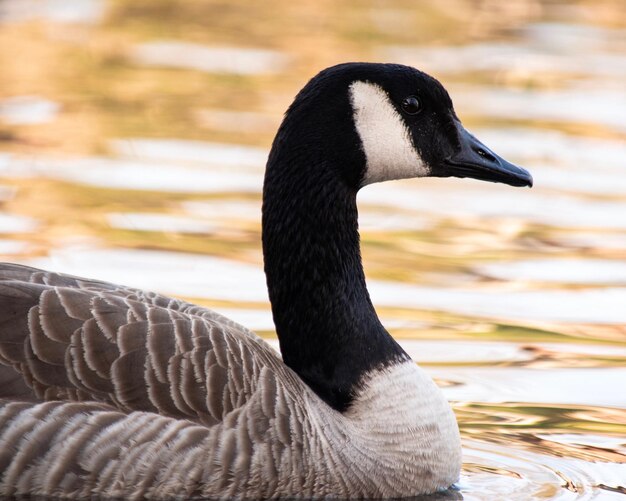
x=473, y=159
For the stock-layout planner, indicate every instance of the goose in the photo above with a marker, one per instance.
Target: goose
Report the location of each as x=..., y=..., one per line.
x=113, y=391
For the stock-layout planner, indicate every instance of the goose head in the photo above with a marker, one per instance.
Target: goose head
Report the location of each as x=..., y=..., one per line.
x=352, y=125
x=390, y=121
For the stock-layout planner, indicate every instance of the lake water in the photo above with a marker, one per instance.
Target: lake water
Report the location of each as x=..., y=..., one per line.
x=133, y=137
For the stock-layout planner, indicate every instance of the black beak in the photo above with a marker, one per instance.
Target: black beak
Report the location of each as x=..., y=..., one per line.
x=474, y=159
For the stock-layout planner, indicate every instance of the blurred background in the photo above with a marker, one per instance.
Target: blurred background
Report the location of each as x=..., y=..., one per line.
x=133, y=138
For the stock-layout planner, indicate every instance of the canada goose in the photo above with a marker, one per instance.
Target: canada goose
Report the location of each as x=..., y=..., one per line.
x=118, y=392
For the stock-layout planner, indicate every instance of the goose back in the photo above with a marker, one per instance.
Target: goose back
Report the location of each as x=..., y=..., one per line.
x=131, y=394
x=147, y=380
x=76, y=339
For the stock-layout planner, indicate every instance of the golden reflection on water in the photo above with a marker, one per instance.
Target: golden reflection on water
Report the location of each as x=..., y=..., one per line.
x=533, y=279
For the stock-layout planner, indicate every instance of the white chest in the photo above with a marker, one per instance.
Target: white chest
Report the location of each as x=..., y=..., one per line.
x=404, y=424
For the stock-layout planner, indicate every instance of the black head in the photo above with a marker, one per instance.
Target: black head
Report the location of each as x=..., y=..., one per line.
x=351, y=125
x=405, y=122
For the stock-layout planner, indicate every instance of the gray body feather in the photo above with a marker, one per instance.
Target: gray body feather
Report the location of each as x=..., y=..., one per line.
x=118, y=392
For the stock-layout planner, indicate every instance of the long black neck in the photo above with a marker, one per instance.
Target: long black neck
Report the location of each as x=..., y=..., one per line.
x=328, y=329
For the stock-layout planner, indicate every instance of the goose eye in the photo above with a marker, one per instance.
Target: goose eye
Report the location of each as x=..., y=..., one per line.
x=411, y=105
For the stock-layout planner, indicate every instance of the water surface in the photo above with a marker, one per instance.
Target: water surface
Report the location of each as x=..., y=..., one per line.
x=133, y=138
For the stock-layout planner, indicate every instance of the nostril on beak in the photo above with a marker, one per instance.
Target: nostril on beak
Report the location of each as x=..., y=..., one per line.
x=486, y=155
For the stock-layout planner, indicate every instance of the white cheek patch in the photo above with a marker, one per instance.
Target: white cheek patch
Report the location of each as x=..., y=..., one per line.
x=387, y=144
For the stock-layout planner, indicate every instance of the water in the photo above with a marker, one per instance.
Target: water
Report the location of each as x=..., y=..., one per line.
x=132, y=148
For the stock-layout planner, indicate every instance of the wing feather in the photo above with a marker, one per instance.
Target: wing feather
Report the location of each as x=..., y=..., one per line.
x=161, y=348
x=99, y=350
x=54, y=317
x=70, y=338
x=115, y=357
x=44, y=346
x=83, y=376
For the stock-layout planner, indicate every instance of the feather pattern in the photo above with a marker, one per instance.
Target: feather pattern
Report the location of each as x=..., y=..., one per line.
x=135, y=350
x=132, y=394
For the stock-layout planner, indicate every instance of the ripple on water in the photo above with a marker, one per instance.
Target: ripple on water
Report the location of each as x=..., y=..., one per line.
x=10, y=223
x=184, y=151
x=544, y=47
x=60, y=11
x=560, y=271
x=10, y=247
x=27, y=110
x=576, y=37
x=185, y=275
x=610, y=443
x=465, y=199
x=142, y=221
x=227, y=211
x=509, y=57
x=579, y=179
x=140, y=175
x=210, y=59
x=175, y=273
x=578, y=105
x=237, y=121
x=595, y=155
x=572, y=386
x=592, y=241
x=512, y=472
x=567, y=306
x=6, y=192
